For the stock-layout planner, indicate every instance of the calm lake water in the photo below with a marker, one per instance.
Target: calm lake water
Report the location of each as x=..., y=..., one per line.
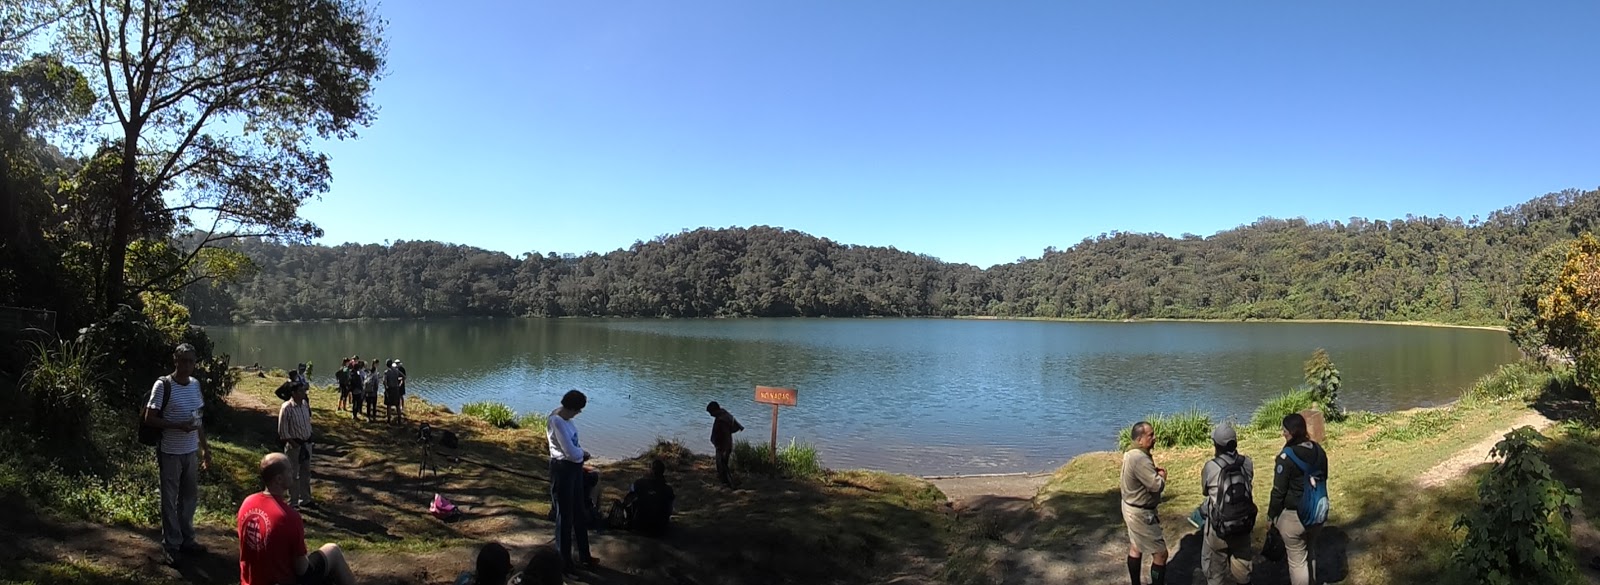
x=924, y=396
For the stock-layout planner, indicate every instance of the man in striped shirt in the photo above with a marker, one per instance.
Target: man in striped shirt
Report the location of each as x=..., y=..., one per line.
x=174, y=407
x=294, y=430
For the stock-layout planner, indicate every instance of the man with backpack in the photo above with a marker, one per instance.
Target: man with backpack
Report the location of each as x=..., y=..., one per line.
x=181, y=450
x=722, y=429
x=1299, y=503
x=1229, y=509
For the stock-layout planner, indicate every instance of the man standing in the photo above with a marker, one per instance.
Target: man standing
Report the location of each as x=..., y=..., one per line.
x=1142, y=484
x=391, y=393
x=369, y=390
x=343, y=377
x=566, y=481
x=403, y=379
x=294, y=431
x=723, y=427
x=1229, y=509
x=174, y=407
x=272, y=537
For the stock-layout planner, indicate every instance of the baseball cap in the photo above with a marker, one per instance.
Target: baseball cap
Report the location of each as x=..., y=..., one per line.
x=1224, y=434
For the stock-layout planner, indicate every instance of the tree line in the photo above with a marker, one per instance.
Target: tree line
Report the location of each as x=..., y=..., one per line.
x=1415, y=268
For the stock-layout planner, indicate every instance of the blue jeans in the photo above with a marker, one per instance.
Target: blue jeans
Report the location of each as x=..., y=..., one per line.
x=180, y=493
x=567, y=498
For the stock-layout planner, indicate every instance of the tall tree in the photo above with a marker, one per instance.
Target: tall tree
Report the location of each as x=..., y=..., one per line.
x=219, y=101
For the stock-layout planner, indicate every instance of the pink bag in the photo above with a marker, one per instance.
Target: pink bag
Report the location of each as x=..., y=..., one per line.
x=442, y=508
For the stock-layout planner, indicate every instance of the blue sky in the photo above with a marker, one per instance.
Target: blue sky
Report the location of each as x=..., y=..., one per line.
x=976, y=132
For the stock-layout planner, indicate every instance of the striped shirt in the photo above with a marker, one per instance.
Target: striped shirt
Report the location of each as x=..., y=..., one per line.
x=294, y=420
x=185, y=402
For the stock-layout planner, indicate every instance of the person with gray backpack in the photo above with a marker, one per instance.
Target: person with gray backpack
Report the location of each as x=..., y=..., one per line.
x=1229, y=511
x=1299, y=503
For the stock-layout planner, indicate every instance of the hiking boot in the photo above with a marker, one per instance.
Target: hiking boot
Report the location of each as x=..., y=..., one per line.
x=590, y=563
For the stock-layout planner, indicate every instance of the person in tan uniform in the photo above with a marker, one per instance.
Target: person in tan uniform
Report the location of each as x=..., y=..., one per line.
x=1142, y=484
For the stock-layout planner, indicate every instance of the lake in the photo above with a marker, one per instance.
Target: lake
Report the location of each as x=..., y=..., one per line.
x=924, y=396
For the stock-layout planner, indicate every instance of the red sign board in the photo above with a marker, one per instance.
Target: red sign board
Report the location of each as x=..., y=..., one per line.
x=775, y=396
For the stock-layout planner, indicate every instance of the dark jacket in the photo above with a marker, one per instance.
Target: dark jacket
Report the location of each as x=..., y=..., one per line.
x=1288, y=482
x=723, y=429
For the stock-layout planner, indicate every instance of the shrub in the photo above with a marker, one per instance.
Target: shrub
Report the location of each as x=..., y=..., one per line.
x=133, y=354
x=799, y=460
x=60, y=384
x=1270, y=414
x=1519, y=531
x=1322, y=379
x=533, y=421
x=1522, y=380
x=670, y=452
x=1191, y=427
x=753, y=459
x=494, y=413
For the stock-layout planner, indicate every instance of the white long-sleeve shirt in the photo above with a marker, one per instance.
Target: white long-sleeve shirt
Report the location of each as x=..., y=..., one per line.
x=563, y=436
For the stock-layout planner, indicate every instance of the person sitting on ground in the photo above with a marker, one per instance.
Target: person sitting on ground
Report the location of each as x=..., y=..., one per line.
x=493, y=567
x=272, y=537
x=541, y=567
x=648, y=507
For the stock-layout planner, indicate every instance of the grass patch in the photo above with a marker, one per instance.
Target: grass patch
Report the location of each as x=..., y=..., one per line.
x=494, y=413
x=1270, y=414
x=1424, y=424
x=1523, y=380
x=798, y=460
x=534, y=422
x=1191, y=427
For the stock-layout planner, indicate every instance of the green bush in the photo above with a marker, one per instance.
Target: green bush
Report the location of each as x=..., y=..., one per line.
x=1270, y=414
x=670, y=452
x=1522, y=380
x=1519, y=532
x=60, y=384
x=799, y=460
x=494, y=413
x=753, y=459
x=1191, y=427
x=533, y=421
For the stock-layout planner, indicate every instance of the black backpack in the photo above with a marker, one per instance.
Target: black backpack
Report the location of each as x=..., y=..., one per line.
x=149, y=435
x=1233, y=509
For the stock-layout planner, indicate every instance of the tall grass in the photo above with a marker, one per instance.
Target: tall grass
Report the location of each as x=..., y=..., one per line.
x=1423, y=425
x=1191, y=427
x=533, y=421
x=494, y=413
x=1523, y=380
x=60, y=385
x=1270, y=414
x=794, y=460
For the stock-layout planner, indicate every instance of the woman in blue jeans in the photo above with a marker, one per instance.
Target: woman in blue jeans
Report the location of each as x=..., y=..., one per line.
x=566, y=482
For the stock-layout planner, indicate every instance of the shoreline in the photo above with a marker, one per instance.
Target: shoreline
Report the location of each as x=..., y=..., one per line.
x=1499, y=328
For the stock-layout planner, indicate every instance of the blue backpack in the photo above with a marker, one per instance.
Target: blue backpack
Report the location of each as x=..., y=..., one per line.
x=1314, y=500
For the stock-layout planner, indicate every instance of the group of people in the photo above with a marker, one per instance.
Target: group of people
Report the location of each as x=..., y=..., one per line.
x=1227, y=515
x=359, y=383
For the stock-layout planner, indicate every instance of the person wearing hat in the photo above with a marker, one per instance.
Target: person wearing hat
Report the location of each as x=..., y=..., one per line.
x=1142, y=484
x=1229, y=509
x=294, y=431
x=174, y=407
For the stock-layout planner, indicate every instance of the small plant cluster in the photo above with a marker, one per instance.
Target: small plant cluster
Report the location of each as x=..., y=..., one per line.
x=1519, y=531
x=494, y=413
x=1188, y=428
x=1322, y=380
x=1425, y=424
x=794, y=460
x=1271, y=412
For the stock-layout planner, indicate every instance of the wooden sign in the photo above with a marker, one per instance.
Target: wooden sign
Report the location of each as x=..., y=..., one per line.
x=1315, y=426
x=775, y=396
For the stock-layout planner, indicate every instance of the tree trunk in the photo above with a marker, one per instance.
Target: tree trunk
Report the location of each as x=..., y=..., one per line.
x=122, y=228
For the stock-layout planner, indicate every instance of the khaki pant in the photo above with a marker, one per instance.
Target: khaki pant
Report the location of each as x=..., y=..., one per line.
x=1299, y=544
x=300, y=490
x=1226, y=561
x=1144, y=529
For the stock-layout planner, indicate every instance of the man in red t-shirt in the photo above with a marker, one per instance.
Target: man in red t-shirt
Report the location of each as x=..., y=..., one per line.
x=272, y=538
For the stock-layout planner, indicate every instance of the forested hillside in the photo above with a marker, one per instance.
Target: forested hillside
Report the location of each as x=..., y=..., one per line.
x=1416, y=268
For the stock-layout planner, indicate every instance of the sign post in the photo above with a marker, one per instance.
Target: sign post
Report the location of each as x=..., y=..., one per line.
x=776, y=397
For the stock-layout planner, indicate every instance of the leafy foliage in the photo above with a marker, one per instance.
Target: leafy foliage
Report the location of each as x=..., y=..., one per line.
x=1519, y=532
x=1522, y=380
x=1568, y=309
x=1322, y=379
x=494, y=413
x=1416, y=268
x=60, y=386
x=1191, y=427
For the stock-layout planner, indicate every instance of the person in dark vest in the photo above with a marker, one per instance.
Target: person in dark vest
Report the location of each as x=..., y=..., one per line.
x=1225, y=551
x=722, y=429
x=1288, y=486
x=342, y=376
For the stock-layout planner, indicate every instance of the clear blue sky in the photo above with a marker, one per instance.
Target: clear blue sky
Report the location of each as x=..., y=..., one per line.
x=973, y=131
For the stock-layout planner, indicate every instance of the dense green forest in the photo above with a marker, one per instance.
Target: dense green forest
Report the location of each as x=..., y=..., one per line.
x=1416, y=268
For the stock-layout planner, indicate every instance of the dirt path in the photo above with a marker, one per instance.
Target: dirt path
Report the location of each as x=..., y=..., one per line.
x=962, y=490
x=1458, y=464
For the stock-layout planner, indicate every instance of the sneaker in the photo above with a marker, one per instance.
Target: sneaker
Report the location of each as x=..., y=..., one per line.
x=192, y=548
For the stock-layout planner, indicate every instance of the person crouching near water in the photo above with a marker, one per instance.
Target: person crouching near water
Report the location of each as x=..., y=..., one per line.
x=567, y=490
x=1142, y=484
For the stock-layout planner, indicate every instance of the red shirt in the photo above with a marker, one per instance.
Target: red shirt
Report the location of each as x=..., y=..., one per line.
x=271, y=537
